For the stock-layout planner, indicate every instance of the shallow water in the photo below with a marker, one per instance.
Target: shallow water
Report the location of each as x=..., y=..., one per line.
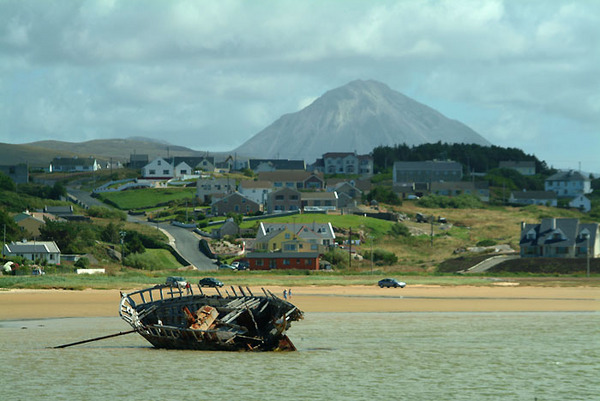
x=342, y=356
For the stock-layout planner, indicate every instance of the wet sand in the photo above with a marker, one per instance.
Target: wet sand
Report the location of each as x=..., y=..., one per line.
x=34, y=304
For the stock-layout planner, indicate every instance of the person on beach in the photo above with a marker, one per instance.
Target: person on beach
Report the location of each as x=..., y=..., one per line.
x=284, y=294
x=290, y=293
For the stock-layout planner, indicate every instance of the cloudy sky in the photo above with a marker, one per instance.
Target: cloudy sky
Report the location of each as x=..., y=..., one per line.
x=211, y=74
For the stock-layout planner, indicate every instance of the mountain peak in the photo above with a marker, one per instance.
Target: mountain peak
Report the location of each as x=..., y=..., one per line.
x=358, y=116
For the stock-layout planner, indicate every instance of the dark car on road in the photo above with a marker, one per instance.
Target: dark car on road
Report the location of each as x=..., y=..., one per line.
x=391, y=282
x=210, y=282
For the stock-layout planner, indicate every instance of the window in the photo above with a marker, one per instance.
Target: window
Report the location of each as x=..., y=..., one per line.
x=287, y=235
x=286, y=262
x=259, y=262
x=158, y=163
x=166, y=172
x=279, y=197
x=152, y=172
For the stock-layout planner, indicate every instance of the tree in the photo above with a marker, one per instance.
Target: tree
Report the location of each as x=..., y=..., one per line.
x=13, y=232
x=6, y=183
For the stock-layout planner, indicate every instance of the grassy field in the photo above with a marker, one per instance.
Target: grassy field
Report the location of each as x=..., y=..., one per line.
x=147, y=198
x=134, y=280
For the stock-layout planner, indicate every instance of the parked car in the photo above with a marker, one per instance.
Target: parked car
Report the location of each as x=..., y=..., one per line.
x=175, y=281
x=224, y=266
x=210, y=282
x=240, y=265
x=391, y=282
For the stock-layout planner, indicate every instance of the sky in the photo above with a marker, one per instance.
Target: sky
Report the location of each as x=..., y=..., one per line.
x=209, y=75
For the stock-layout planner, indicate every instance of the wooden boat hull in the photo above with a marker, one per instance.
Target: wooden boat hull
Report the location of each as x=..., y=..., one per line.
x=173, y=318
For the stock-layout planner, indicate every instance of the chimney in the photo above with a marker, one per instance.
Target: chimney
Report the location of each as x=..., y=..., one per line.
x=553, y=221
x=522, y=225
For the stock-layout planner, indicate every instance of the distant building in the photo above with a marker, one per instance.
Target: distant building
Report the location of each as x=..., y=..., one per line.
x=46, y=251
x=138, y=161
x=479, y=189
x=258, y=191
x=426, y=172
x=233, y=203
x=206, y=188
x=347, y=163
x=284, y=200
x=544, y=198
x=19, y=173
x=561, y=238
x=296, y=179
x=73, y=164
x=523, y=167
x=568, y=184
x=283, y=260
x=262, y=165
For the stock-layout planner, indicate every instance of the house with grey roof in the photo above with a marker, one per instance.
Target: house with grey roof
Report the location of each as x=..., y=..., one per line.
x=206, y=188
x=426, y=171
x=582, y=203
x=568, y=184
x=284, y=200
x=233, y=203
x=543, y=198
x=73, y=164
x=262, y=165
x=296, y=179
x=561, y=238
x=36, y=251
x=347, y=163
x=318, y=201
x=318, y=233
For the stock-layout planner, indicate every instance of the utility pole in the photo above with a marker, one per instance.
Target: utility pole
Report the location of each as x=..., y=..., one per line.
x=350, y=248
x=371, y=254
x=122, y=234
x=431, y=219
x=588, y=255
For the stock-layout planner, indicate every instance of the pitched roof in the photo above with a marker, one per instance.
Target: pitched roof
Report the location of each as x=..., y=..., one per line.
x=278, y=164
x=533, y=194
x=547, y=230
x=568, y=176
x=33, y=247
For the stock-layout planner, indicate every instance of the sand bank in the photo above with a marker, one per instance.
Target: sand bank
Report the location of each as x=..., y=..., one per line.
x=33, y=304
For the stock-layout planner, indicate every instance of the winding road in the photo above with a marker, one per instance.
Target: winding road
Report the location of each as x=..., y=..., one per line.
x=183, y=240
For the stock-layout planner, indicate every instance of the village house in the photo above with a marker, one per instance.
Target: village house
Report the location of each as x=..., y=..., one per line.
x=36, y=251
x=426, y=172
x=206, y=188
x=137, y=161
x=263, y=165
x=582, y=203
x=544, y=198
x=523, y=167
x=31, y=222
x=318, y=201
x=19, y=173
x=283, y=200
x=257, y=190
x=313, y=233
x=73, y=164
x=563, y=238
x=283, y=260
x=568, y=184
x=347, y=163
x=233, y=203
x=295, y=179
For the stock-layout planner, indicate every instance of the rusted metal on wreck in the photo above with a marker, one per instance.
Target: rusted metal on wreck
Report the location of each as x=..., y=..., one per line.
x=176, y=318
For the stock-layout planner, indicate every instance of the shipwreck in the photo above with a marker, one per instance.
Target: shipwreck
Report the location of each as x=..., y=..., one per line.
x=177, y=318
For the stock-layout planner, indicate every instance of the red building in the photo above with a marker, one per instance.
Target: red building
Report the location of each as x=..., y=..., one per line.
x=283, y=260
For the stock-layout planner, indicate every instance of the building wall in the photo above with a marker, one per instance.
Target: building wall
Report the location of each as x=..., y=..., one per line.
x=284, y=263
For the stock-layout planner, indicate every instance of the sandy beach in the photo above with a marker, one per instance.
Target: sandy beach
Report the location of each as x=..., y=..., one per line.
x=34, y=304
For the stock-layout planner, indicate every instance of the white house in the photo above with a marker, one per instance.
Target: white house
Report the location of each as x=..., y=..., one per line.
x=34, y=251
x=347, y=163
x=158, y=168
x=568, y=184
x=258, y=191
x=582, y=203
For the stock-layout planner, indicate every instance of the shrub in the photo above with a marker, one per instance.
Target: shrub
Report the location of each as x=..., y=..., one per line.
x=82, y=263
x=382, y=257
x=486, y=242
x=399, y=230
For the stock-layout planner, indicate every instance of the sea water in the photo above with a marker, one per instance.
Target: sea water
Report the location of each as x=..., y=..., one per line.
x=341, y=356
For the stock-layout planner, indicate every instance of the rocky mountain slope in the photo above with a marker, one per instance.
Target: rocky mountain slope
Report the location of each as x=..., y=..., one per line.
x=357, y=117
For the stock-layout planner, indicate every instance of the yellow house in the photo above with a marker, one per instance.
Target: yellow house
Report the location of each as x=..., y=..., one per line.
x=274, y=240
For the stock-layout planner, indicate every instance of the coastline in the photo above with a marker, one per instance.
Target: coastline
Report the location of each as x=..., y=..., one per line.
x=36, y=304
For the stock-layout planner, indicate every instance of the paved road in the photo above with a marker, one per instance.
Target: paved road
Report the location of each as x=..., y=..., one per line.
x=183, y=240
x=489, y=263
